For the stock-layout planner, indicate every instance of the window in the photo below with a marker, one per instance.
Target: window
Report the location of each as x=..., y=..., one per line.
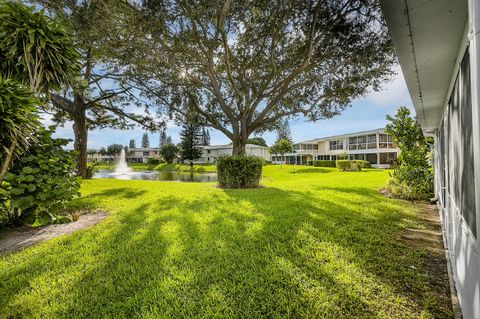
x=336, y=145
x=362, y=142
x=146, y=153
x=372, y=158
x=386, y=141
x=388, y=158
x=296, y=147
x=208, y=152
x=459, y=146
x=323, y=157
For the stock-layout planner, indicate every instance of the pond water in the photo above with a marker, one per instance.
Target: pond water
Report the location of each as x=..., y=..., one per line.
x=158, y=176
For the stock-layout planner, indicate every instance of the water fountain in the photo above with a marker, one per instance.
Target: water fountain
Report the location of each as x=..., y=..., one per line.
x=122, y=166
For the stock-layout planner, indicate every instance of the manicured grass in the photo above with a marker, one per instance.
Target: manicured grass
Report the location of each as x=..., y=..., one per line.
x=314, y=243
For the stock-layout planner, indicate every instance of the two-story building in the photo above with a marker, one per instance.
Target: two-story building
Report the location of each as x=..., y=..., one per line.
x=375, y=146
x=141, y=155
x=212, y=152
x=134, y=155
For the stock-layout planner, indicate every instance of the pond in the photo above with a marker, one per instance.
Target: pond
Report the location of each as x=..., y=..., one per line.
x=158, y=176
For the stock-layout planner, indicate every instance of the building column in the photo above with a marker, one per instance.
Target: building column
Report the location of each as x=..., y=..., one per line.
x=378, y=159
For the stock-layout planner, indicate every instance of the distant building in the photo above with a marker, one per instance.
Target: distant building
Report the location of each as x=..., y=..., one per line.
x=134, y=155
x=212, y=152
x=141, y=155
x=374, y=146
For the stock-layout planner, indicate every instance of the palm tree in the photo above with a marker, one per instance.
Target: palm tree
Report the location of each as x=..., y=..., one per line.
x=18, y=120
x=37, y=52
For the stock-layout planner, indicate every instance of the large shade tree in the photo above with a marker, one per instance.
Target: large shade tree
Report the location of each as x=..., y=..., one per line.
x=247, y=64
x=102, y=96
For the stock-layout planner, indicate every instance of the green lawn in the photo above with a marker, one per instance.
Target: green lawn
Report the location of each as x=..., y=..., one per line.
x=316, y=243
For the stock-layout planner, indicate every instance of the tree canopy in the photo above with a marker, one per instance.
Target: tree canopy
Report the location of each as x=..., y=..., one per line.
x=131, y=144
x=145, y=140
x=114, y=149
x=246, y=65
x=283, y=130
x=257, y=141
x=102, y=96
x=169, y=152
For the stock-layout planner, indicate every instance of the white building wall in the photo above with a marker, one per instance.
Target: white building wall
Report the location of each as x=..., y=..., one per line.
x=463, y=246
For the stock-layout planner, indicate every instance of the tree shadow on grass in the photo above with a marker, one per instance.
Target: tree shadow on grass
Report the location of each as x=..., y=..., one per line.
x=310, y=170
x=236, y=253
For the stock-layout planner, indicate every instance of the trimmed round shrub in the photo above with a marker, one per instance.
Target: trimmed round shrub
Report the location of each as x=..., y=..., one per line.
x=239, y=171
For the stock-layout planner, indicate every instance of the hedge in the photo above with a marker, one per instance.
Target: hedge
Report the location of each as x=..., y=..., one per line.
x=363, y=164
x=348, y=165
x=239, y=171
x=324, y=163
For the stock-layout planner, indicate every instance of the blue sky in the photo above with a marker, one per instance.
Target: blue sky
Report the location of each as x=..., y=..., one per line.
x=363, y=114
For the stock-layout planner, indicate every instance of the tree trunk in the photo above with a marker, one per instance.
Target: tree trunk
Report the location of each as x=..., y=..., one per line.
x=80, y=143
x=8, y=159
x=240, y=138
x=238, y=147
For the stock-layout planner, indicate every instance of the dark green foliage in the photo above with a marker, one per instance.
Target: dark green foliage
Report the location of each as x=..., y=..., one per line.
x=283, y=131
x=169, y=152
x=239, y=171
x=413, y=174
x=34, y=49
x=91, y=170
x=324, y=163
x=18, y=118
x=290, y=58
x=348, y=165
x=145, y=141
x=114, y=149
x=257, y=141
x=191, y=138
x=40, y=183
x=205, y=137
x=153, y=161
x=131, y=144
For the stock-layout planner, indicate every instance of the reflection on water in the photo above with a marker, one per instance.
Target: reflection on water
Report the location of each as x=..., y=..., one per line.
x=159, y=176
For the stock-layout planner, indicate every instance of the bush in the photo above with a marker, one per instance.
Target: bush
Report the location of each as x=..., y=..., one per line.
x=92, y=168
x=153, y=161
x=239, y=171
x=40, y=183
x=348, y=165
x=413, y=174
x=324, y=163
x=411, y=179
x=363, y=164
